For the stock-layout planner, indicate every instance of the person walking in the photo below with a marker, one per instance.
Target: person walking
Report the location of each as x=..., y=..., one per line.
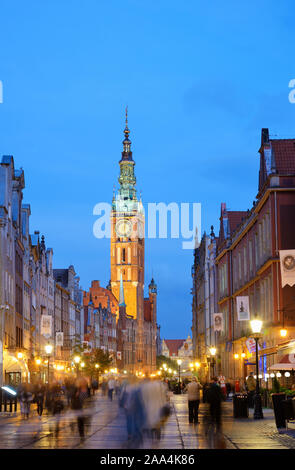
x=94, y=386
x=251, y=387
x=215, y=398
x=193, y=397
x=39, y=393
x=111, y=386
x=26, y=398
x=80, y=395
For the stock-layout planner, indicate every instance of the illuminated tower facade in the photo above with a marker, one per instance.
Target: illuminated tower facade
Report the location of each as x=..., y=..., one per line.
x=127, y=241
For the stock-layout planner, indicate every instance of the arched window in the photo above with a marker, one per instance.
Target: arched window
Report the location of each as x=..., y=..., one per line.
x=123, y=255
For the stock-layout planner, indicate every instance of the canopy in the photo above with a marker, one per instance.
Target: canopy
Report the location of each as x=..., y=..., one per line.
x=286, y=363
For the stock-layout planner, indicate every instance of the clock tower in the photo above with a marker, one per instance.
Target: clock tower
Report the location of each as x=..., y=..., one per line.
x=127, y=240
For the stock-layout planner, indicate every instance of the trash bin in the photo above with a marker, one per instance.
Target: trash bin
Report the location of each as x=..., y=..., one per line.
x=240, y=403
x=288, y=409
x=277, y=399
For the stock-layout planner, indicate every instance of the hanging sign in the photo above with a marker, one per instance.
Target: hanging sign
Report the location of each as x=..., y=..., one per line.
x=59, y=338
x=243, y=308
x=46, y=325
x=287, y=261
x=218, y=321
x=251, y=345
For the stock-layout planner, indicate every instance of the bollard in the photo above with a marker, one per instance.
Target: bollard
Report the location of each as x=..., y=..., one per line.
x=277, y=399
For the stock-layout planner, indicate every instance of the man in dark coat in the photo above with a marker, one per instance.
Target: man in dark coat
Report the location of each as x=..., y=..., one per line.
x=215, y=398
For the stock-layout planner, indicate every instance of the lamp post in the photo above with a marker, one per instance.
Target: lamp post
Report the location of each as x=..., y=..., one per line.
x=77, y=360
x=97, y=370
x=212, y=352
x=48, y=350
x=179, y=362
x=256, y=326
x=38, y=362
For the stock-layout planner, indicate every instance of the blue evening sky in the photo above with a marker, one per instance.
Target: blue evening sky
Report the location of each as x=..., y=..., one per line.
x=200, y=79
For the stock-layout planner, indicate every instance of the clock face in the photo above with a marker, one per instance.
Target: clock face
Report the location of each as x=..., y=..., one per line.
x=289, y=262
x=123, y=228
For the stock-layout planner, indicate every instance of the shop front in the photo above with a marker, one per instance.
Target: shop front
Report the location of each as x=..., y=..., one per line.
x=15, y=369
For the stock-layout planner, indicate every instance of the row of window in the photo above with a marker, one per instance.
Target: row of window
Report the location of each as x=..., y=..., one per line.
x=248, y=258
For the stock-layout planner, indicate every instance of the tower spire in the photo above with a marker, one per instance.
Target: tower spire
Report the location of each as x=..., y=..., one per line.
x=126, y=154
x=121, y=295
x=126, y=131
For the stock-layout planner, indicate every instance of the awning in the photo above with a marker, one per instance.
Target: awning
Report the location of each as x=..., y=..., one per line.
x=286, y=363
x=289, y=347
x=12, y=364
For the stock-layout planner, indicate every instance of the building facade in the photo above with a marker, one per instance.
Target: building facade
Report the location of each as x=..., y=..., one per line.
x=179, y=349
x=204, y=302
x=248, y=264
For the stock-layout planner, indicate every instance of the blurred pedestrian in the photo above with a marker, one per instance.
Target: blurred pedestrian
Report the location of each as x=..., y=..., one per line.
x=80, y=395
x=132, y=402
x=39, y=394
x=94, y=386
x=26, y=398
x=104, y=387
x=205, y=392
x=57, y=397
x=228, y=389
x=193, y=397
x=156, y=406
x=111, y=386
x=117, y=387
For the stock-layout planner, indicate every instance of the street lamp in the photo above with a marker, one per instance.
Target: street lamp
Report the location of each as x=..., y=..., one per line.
x=213, y=352
x=256, y=326
x=77, y=360
x=179, y=362
x=48, y=350
x=97, y=367
x=38, y=362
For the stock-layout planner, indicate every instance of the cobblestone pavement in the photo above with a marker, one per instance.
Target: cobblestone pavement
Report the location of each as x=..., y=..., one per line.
x=245, y=433
x=106, y=429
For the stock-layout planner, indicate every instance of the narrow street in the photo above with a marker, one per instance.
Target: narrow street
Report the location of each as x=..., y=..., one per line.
x=106, y=429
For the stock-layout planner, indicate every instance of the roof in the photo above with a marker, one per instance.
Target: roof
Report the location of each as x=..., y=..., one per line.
x=284, y=155
x=235, y=218
x=229, y=221
x=61, y=276
x=174, y=345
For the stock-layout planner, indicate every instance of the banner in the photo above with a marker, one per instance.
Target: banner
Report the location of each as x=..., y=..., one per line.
x=119, y=355
x=217, y=321
x=243, y=308
x=287, y=261
x=59, y=338
x=46, y=325
x=251, y=345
